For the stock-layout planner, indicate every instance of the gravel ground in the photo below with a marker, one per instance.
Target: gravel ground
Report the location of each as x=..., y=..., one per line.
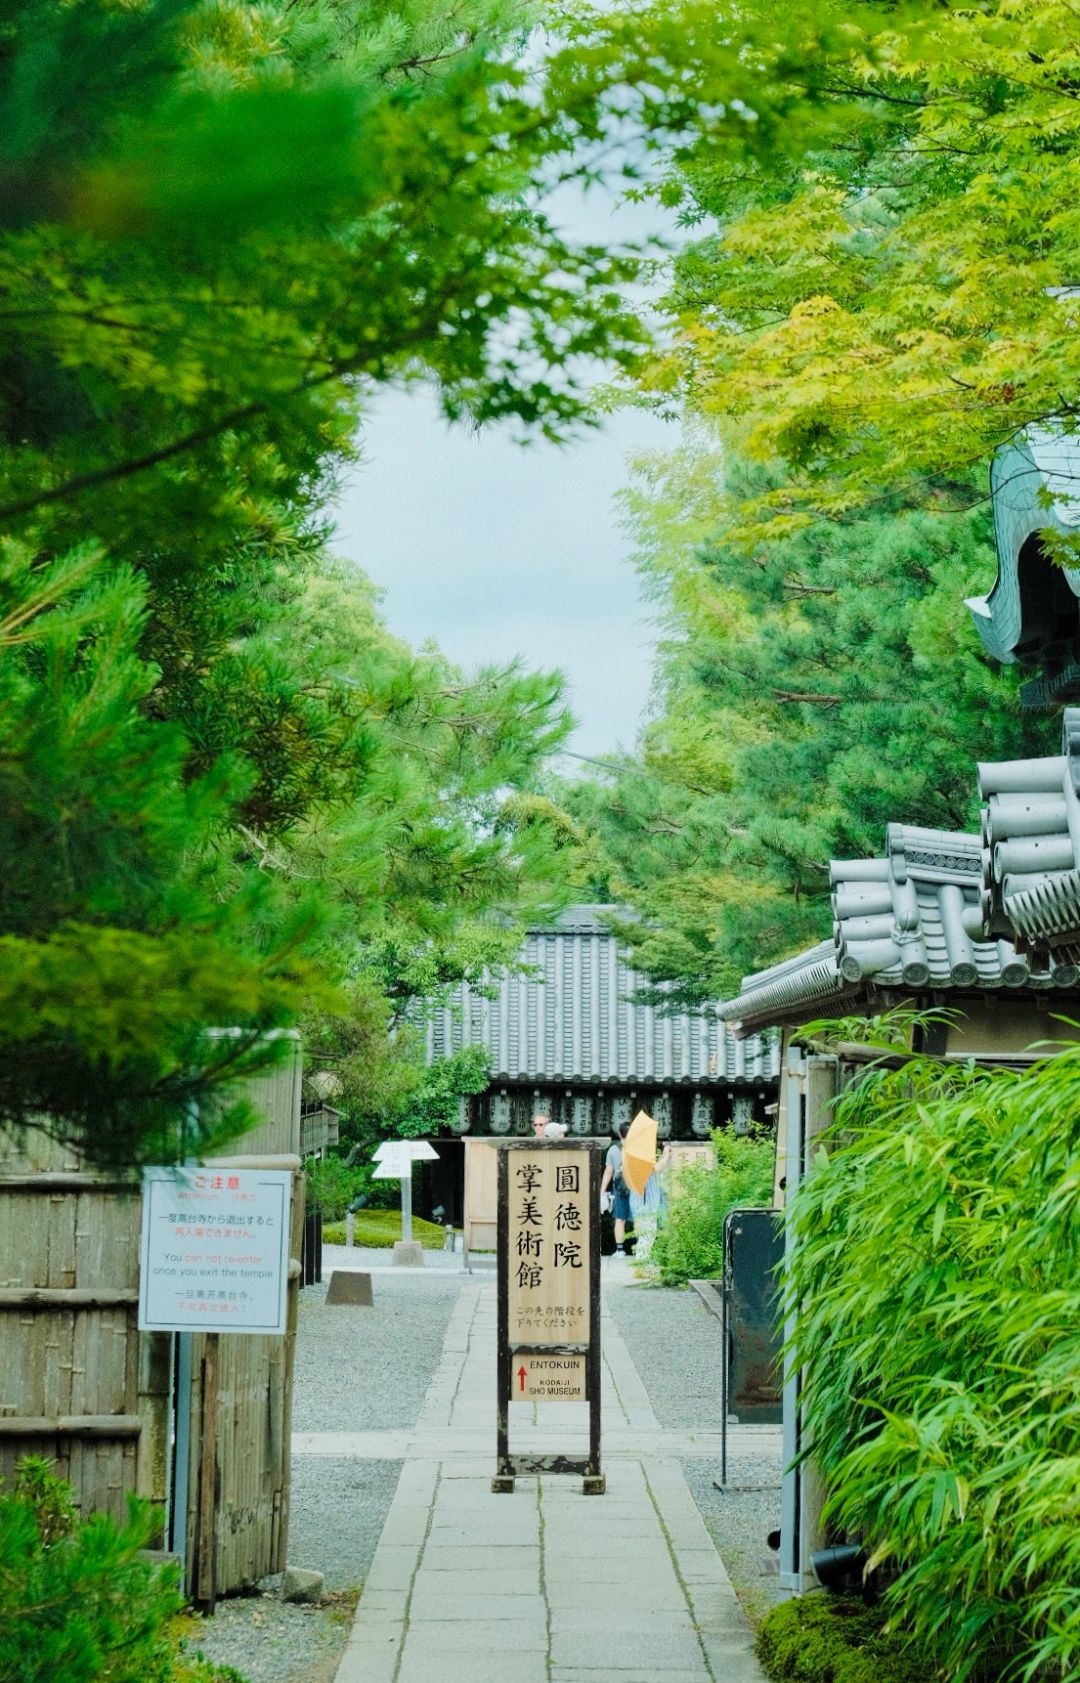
x=676, y=1344
x=338, y=1510
x=270, y=1641
x=739, y=1520
x=349, y=1377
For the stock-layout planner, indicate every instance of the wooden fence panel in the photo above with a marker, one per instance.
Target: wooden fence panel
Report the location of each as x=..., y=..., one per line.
x=78, y=1383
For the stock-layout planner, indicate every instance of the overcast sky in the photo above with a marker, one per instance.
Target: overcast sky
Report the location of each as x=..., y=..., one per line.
x=494, y=550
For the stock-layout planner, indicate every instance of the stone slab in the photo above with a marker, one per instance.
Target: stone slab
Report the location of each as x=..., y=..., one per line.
x=392, y=1567
x=629, y=1672
x=464, y=1666
x=652, y=1656
x=493, y=1560
x=488, y=1636
x=519, y=1581
x=351, y=1288
x=427, y=1605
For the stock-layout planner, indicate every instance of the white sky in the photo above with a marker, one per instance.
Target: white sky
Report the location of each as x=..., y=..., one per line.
x=495, y=550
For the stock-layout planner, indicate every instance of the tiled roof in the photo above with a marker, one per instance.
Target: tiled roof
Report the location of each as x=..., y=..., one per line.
x=1031, y=840
x=914, y=919
x=569, y=1018
x=798, y=985
x=912, y=922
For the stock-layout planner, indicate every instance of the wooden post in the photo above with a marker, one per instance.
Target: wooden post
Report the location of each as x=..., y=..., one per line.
x=282, y=1470
x=822, y=1082
x=503, y=1482
x=594, y=1483
x=406, y=1208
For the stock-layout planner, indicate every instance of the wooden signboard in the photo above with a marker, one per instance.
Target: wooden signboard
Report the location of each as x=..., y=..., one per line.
x=549, y=1294
x=480, y=1222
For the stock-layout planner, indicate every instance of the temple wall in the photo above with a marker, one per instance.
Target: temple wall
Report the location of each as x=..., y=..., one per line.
x=1012, y=1025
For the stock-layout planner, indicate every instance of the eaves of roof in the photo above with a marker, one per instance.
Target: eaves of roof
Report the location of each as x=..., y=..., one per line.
x=913, y=922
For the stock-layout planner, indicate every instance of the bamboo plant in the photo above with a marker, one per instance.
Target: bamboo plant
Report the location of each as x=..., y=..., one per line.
x=936, y=1278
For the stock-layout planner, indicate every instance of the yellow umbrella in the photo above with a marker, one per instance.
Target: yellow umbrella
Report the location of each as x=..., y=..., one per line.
x=639, y=1152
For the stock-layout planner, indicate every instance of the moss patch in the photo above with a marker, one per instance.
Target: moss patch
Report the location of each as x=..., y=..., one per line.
x=379, y=1229
x=829, y=1639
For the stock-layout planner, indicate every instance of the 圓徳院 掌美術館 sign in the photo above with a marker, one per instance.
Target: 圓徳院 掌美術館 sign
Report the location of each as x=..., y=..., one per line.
x=550, y=1232
x=215, y=1250
x=549, y=1294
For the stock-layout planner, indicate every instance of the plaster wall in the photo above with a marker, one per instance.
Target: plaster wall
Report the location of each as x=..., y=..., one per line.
x=1013, y=1025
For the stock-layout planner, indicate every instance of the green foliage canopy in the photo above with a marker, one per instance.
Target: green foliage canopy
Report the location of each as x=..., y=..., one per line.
x=890, y=293
x=225, y=787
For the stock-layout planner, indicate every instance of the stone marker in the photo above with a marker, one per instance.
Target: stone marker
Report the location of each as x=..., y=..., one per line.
x=409, y=1253
x=300, y=1585
x=348, y=1286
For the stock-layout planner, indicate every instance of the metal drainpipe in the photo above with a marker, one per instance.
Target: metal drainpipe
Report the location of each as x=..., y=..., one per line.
x=790, y=1577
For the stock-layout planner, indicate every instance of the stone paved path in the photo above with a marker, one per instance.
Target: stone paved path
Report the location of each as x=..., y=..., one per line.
x=545, y=1585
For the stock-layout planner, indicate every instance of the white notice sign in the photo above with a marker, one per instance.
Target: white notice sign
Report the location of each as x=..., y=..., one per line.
x=394, y=1162
x=215, y=1250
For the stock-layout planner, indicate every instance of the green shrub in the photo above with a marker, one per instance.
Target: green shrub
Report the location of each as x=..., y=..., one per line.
x=332, y=1185
x=829, y=1639
x=690, y=1242
x=937, y=1273
x=379, y=1229
x=77, y=1604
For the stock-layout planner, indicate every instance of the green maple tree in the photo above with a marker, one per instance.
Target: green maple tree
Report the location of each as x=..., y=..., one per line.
x=889, y=294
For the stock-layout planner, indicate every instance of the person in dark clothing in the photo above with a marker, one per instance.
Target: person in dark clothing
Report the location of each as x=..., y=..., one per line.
x=620, y=1192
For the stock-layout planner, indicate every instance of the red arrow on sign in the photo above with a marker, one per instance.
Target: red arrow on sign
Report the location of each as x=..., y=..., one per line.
x=521, y=1377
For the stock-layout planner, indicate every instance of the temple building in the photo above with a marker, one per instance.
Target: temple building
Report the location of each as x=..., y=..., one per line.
x=980, y=931
x=565, y=1035
x=987, y=925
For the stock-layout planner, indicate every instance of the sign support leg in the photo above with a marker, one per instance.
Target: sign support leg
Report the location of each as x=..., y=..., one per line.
x=594, y=1482
x=181, y=1448
x=503, y=1482
x=406, y=1208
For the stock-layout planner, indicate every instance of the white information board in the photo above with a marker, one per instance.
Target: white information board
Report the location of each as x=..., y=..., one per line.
x=215, y=1250
x=394, y=1164
x=394, y=1159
